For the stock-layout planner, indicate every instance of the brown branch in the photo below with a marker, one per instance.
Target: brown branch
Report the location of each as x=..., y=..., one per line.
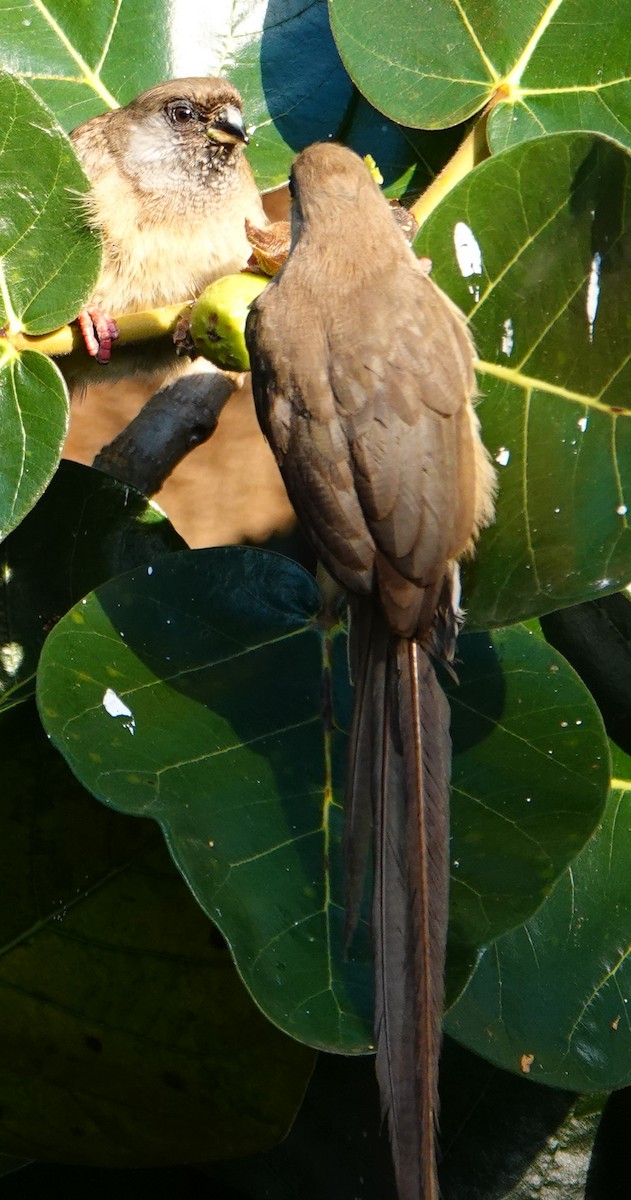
x=176, y=419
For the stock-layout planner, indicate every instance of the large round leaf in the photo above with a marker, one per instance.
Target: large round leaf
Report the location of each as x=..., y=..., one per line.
x=197, y=692
x=232, y=758
x=34, y=423
x=126, y=1036
x=558, y=988
x=434, y=66
x=544, y=270
x=529, y=749
x=560, y=82
x=86, y=528
x=48, y=264
x=83, y=59
x=49, y=258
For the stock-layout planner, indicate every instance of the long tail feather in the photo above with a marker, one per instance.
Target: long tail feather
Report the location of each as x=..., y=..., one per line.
x=407, y=739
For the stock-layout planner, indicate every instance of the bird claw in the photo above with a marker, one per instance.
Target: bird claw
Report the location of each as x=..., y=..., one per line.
x=99, y=330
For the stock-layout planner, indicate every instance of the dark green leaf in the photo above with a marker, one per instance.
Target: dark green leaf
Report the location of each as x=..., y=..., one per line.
x=530, y=774
x=294, y=87
x=86, y=528
x=202, y=708
x=194, y=695
x=558, y=987
x=337, y=1147
x=126, y=1037
x=545, y=69
x=570, y=76
x=544, y=271
x=596, y=638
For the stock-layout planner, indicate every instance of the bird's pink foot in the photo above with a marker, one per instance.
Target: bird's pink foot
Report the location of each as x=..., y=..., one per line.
x=99, y=330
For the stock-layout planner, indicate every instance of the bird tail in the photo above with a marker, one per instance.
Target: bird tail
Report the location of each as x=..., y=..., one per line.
x=401, y=758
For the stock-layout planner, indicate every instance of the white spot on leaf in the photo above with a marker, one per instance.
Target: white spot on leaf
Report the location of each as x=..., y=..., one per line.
x=468, y=255
x=508, y=337
x=593, y=294
x=115, y=707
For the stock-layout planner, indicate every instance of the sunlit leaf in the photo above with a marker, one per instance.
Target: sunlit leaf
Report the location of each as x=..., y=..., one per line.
x=49, y=259
x=34, y=422
x=547, y=66
x=48, y=264
x=534, y=245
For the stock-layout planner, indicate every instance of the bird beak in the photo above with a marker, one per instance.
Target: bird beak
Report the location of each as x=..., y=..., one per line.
x=227, y=127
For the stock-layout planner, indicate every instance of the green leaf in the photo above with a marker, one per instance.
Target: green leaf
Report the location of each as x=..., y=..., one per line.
x=545, y=274
x=529, y=780
x=48, y=264
x=83, y=59
x=558, y=987
x=436, y=69
x=126, y=1037
x=34, y=423
x=49, y=259
x=194, y=695
x=427, y=71
x=568, y=83
x=294, y=87
x=202, y=708
x=86, y=528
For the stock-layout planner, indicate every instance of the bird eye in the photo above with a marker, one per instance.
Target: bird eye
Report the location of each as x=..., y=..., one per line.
x=180, y=113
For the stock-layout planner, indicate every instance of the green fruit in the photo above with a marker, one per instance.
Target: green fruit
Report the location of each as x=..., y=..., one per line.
x=218, y=319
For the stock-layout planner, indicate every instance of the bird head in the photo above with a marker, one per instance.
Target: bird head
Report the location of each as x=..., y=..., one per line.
x=338, y=209
x=182, y=134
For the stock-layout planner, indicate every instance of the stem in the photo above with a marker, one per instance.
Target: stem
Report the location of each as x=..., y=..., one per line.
x=471, y=151
x=132, y=327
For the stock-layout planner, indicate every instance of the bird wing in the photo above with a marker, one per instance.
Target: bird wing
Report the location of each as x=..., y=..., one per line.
x=297, y=413
x=405, y=411
x=369, y=417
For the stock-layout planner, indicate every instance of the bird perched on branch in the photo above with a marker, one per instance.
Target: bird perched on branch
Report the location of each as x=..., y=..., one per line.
x=171, y=190
x=363, y=381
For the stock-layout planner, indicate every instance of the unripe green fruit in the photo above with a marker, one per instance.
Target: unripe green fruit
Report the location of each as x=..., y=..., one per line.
x=218, y=319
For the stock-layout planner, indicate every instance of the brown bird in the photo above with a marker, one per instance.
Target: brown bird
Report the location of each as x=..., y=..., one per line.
x=363, y=380
x=170, y=193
